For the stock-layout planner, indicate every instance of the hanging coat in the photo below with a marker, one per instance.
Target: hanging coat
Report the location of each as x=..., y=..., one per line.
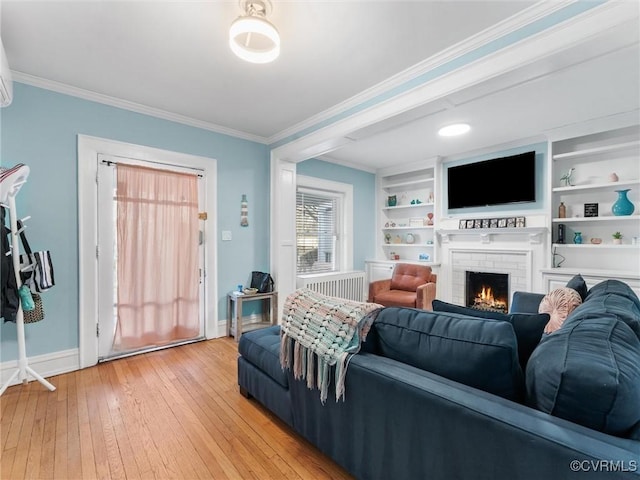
x=10, y=300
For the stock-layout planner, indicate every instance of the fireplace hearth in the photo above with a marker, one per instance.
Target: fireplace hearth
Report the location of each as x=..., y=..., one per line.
x=487, y=291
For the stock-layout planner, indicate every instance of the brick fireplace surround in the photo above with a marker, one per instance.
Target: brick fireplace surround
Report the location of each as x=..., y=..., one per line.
x=519, y=253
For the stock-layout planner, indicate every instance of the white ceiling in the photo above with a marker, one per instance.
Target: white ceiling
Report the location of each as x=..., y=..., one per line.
x=173, y=56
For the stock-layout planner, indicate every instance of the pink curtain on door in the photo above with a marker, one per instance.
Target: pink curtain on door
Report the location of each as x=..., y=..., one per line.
x=157, y=249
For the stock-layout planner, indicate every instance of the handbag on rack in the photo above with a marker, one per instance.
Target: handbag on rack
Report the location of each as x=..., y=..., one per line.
x=262, y=281
x=37, y=314
x=36, y=268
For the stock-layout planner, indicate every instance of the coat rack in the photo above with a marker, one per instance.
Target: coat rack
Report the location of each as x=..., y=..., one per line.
x=9, y=188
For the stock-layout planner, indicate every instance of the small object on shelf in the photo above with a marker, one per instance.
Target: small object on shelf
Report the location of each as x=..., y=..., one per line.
x=429, y=242
x=560, y=233
x=590, y=209
x=250, y=291
x=409, y=238
x=617, y=238
x=429, y=219
x=635, y=241
x=416, y=222
x=430, y=198
x=596, y=241
x=387, y=238
x=239, y=288
x=520, y=222
x=397, y=239
x=386, y=225
x=396, y=257
x=425, y=257
x=392, y=201
x=392, y=255
x=622, y=206
x=577, y=238
x=562, y=210
x=566, y=178
x=613, y=177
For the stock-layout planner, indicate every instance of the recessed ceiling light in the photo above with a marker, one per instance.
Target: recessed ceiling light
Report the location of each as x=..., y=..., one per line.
x=454, y=130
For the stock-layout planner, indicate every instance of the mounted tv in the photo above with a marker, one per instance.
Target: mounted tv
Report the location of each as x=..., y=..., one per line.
x=500, y=181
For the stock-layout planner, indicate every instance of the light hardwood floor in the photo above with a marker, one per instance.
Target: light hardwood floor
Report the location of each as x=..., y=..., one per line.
x=174, y=413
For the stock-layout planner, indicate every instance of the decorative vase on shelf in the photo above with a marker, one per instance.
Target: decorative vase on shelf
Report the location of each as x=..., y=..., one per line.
x=562, y=210
x=622, y=206
x=577, y=238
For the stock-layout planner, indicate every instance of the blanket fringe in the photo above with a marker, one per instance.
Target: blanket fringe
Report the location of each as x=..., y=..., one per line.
x=319, y=332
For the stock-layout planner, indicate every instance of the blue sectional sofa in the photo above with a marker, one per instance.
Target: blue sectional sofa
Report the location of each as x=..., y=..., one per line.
x=445, y=395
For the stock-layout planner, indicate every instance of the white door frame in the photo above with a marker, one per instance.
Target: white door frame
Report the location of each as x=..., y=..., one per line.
x=88, y=150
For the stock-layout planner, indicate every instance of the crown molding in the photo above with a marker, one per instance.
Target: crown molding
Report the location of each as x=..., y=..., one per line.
x=131, y=106
x=492, y=33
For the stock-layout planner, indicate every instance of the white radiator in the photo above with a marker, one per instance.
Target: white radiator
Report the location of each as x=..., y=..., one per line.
x=347, y=285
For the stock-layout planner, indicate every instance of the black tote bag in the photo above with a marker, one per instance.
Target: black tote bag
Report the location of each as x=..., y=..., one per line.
x=262, y=281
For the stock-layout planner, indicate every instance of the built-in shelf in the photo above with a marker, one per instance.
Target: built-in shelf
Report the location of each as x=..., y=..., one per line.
x=411, y=183
x=594, y=246
x=426, y=227
x=597, y=150
x=419, y=205
x=487, y=235
x=598, y=186
x=611, y=218
x=408, y=245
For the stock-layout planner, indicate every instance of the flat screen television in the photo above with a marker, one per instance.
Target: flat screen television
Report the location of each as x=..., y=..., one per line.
x=498, y=181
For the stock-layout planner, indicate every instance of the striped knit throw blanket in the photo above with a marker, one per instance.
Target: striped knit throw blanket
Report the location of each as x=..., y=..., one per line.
x=318, y=332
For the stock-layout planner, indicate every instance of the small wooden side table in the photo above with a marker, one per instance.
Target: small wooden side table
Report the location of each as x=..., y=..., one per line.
x=234, y=312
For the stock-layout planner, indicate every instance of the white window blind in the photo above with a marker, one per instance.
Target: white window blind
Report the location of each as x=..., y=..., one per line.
x=316, y=231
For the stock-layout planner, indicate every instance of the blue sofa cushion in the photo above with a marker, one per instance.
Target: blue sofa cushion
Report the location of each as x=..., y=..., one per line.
x=525, y=302
x=262, y=349
x=615, y=297
x=588, y=372
x=481, y=353
x=527, y=327
x=579, y=285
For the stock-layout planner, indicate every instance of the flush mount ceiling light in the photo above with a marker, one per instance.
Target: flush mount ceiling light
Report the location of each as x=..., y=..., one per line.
x=251, y=36
x=454, y=130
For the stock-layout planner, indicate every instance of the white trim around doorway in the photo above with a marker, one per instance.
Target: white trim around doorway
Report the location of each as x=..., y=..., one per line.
x=88, y=150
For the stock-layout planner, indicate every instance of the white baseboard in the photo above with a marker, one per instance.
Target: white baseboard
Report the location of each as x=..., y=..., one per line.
x=46, y=365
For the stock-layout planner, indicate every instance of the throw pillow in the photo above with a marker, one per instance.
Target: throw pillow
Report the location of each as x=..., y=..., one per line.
x=527, y=327
x=559, y=303
x=587, y=372
x=477, y=352
x=579, y=285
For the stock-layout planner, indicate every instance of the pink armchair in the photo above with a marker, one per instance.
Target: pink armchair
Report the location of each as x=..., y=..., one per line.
x=410, y=286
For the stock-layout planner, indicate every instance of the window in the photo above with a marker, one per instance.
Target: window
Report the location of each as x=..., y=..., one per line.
x=322, y=226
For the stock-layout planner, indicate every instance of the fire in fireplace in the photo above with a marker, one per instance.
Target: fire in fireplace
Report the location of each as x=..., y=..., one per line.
x=487, y=291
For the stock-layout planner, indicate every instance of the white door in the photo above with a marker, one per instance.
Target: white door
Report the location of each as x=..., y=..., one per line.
x=107, y=253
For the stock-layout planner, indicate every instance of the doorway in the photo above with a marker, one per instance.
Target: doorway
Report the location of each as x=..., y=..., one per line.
x=150, y=256
x=89, y=151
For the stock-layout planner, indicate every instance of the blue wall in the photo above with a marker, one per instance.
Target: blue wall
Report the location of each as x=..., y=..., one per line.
x=540, y=172
x=364, y=212
x=40, y=129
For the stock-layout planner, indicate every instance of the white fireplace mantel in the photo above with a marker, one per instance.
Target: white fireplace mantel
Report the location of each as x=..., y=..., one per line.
x=488, y=235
